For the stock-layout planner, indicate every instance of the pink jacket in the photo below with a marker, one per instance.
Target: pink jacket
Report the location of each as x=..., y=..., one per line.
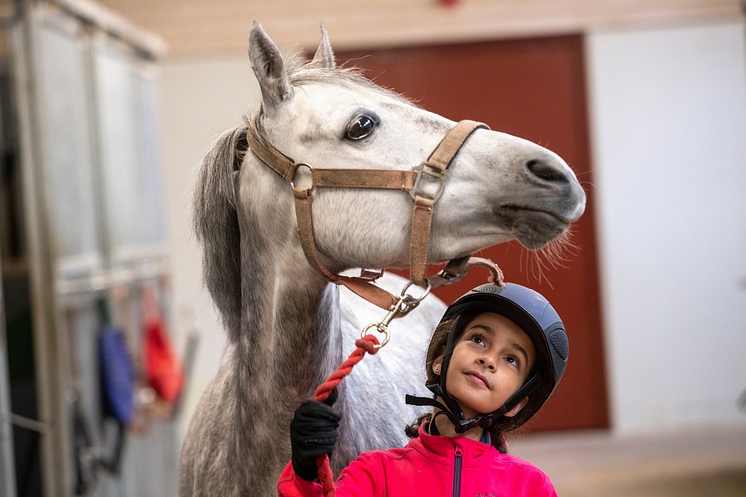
x=432, y=466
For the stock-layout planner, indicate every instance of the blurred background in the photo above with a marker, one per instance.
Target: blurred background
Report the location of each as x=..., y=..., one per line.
x=106, y=108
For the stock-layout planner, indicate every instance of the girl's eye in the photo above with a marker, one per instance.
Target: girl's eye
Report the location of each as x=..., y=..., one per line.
x=513, y=361
x=360, y=127
x=477, y=339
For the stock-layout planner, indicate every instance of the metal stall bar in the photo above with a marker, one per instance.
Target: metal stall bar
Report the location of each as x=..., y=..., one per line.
x=7, y=467
x=55, y=445
x=7, y=464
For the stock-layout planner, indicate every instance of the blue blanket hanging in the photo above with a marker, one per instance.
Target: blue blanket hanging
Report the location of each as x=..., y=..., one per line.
x=117, y=373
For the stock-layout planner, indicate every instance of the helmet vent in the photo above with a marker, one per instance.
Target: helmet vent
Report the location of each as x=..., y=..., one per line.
x=558, y=338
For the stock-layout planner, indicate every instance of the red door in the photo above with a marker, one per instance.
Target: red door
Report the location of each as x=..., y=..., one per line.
x=535, y=89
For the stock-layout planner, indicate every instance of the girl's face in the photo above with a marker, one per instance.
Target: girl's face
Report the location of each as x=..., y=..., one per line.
x=490, y=362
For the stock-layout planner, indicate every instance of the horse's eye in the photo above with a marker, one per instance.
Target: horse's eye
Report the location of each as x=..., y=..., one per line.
x=360, y=127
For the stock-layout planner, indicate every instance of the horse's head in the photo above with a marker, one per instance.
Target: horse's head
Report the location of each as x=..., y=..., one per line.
x=498, y=187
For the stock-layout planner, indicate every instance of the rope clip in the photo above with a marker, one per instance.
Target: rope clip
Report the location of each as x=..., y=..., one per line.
x=403, y=306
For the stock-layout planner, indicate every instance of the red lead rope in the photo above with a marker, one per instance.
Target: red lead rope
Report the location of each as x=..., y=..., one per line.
x=366, y=344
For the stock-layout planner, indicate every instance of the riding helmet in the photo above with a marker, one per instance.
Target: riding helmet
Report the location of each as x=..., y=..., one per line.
x=538, y=319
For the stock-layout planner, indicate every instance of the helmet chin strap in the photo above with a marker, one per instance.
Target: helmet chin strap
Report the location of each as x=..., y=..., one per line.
x=456, y=415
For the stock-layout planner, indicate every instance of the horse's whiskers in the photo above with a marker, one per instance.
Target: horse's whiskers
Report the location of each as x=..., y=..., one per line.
x=556, y=254
x=561, y=250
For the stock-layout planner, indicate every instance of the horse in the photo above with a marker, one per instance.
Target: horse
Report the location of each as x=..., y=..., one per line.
x=288, y=326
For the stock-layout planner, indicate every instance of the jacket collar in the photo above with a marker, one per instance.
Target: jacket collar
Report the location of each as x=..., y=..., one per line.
x=432, y=428
x=443, y=450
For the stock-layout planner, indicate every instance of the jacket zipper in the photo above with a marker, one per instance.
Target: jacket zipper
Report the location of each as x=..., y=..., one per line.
x=457, y=472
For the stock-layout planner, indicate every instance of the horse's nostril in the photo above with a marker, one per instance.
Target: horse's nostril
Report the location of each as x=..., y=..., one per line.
x=545, y=171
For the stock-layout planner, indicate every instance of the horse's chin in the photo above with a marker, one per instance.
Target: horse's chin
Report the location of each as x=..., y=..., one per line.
x=533, y=229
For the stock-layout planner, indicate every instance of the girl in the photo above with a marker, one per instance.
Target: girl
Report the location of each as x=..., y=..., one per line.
x=494, y=359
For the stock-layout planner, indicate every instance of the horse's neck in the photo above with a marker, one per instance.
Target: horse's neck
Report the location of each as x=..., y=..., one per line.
x=290, y=337
x=290, y=322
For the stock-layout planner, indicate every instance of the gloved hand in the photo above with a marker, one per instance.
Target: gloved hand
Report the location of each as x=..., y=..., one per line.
x=313, y=432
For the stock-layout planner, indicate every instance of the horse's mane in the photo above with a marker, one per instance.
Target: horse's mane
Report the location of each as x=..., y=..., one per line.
x=216, y=224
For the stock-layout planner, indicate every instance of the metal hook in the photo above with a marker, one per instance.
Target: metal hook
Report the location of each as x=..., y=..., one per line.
x=383, y=327
x=380, y=329
x=402, y=307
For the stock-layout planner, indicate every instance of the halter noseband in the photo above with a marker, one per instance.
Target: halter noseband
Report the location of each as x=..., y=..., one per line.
x=434, y=168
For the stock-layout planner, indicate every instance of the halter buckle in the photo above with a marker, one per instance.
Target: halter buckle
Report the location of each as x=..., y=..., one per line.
x=371, y=274
x=444, y=278
x=429, y=173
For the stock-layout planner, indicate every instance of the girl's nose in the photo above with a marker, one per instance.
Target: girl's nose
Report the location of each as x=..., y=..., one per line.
x=487, y=361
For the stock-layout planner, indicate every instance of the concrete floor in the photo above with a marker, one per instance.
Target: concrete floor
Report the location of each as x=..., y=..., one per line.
x=698, y=463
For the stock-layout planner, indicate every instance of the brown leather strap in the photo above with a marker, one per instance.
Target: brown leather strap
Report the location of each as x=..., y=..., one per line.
x=444, y=153
x=279, y=162
x=364, y=178
x=370, y=292
x=497, y=274
x=331, y=178
x=305, y=231
x=421, y=218
x=437, y=163
x=362, y=287
x=457, y=269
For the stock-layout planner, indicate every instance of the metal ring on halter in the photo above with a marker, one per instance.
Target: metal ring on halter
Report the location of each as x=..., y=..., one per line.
x=380, y=328
x=410, y=301
x=295, y=175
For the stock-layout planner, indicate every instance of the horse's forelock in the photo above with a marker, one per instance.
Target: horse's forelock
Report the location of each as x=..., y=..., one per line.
x=216, y=224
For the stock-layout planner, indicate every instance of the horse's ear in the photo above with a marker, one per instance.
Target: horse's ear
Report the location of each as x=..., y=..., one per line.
x=269, y=68
x=324, y=57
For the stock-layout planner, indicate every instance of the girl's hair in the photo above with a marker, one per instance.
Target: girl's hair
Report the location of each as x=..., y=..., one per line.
x=437, y=347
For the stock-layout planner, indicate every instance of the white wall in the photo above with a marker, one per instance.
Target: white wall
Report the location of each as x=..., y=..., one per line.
x=199, y=100
x=669, y=138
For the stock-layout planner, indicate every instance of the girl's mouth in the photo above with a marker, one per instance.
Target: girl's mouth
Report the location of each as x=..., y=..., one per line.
x=477, y=378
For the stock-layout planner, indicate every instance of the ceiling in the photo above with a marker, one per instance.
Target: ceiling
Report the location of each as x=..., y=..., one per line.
x=194, y=28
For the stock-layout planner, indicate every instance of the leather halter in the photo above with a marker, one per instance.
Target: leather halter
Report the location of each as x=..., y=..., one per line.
x=413, y=181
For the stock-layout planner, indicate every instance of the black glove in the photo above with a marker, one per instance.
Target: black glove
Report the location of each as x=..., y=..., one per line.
x=313, y=432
